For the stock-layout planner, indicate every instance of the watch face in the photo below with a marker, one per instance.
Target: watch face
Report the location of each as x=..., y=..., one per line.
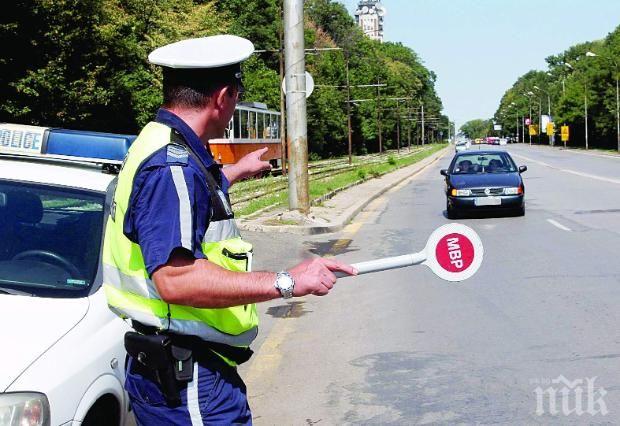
x=285, y=282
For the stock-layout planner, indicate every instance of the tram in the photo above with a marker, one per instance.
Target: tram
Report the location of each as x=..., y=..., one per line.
x=253, y=126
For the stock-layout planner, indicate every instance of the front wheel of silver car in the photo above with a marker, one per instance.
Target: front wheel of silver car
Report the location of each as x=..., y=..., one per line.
x=106, y=411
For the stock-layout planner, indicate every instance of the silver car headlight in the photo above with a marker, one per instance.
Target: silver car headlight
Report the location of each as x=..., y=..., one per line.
x=24, y=408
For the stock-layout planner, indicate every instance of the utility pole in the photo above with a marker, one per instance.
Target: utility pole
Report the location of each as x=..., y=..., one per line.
x=409, y=129
x=379, y=117
x=617, y=110
x=348, y=107
x=422, y=124
x=585, y=102
x=540, y=129
x=282, y=99
x=530, y=117
x=398, y=127
x=297, y=132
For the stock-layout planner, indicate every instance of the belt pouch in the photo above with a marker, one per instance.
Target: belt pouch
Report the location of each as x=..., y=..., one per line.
x=153, y=352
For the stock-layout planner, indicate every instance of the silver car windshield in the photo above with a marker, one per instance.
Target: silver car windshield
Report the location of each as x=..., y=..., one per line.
x=50, y=239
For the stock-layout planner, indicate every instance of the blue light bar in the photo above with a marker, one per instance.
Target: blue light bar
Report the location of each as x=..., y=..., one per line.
x=83, y=144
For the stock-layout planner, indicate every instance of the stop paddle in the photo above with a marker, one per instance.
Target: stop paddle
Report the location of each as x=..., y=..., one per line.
x=453, y=252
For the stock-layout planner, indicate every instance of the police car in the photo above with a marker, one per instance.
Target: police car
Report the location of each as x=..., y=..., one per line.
x=62, y=348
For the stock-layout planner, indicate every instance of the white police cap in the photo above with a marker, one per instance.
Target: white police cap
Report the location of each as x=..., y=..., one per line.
x=205, y=52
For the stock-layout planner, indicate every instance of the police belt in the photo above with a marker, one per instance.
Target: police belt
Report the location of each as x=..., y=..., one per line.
x=200, y=348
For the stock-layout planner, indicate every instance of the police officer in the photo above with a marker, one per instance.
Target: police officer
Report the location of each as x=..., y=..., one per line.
x=174, y=260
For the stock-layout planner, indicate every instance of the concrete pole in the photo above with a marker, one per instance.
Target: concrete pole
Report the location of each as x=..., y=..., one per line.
x=349, y=111
x=423, y=125
x=617, y=110
x=379, y=117
x=540, y=130
x=398, y=127
x=297, y=131
x=585, y=103
x=530, y=117
x=282, y=98
x=409, y=130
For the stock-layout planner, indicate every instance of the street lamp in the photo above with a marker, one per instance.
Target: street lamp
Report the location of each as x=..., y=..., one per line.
x=551, y=136
x=570, y=67
x=512, y=104
x=528, y=95
x=585, y=98
x=615, y=64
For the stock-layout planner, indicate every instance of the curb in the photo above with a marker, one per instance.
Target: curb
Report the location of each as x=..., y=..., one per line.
x=351, y=212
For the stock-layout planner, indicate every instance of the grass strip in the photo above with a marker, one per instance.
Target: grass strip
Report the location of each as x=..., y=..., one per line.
x=324, y=186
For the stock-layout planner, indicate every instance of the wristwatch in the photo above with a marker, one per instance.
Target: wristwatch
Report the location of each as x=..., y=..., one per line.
x=285, y=284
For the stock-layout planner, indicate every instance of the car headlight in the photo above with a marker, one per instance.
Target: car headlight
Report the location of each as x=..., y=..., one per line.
x=460, y=192
x=513, y=191
x=24, y=408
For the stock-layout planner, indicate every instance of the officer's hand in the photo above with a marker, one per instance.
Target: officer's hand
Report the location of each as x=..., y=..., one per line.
x=316, y=276
x=251, y=163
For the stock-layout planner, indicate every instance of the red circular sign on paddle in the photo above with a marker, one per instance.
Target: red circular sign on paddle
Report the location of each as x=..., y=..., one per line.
x=455, y=252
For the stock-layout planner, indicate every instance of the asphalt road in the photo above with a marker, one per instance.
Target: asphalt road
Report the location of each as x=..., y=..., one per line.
x=402, y=347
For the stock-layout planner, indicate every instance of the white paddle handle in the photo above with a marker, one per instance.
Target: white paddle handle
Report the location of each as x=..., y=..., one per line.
x=386, y=263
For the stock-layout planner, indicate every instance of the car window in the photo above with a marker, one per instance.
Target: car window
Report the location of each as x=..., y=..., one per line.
x=483, y=163
x=50, y=239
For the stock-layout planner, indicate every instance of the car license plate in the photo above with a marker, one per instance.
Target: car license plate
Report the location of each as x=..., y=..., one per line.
x=488, y=201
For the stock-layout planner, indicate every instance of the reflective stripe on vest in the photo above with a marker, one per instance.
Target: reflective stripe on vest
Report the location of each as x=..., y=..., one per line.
x=129, y=290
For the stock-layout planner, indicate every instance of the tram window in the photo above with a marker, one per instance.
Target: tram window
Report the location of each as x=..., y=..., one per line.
x=261, y=126
x=235, y=125
x=252, y=125
x=244, y=124
x=275, y=126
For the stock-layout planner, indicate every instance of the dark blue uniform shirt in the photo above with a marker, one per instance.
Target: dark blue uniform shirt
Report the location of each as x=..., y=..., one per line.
x=169, y=206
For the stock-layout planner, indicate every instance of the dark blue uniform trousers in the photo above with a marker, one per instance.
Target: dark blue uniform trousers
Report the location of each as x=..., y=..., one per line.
x=216, y=396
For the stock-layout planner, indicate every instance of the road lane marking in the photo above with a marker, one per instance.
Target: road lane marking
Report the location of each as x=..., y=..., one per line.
x=559, y=225
x=582, y=174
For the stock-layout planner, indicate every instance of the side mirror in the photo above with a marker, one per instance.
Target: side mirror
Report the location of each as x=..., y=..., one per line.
x=444, y=172
x=522, y=169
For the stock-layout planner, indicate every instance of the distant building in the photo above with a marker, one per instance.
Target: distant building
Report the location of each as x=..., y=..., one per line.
x=369, y=16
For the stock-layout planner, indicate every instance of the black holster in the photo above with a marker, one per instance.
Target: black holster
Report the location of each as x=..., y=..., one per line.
x=169, y=364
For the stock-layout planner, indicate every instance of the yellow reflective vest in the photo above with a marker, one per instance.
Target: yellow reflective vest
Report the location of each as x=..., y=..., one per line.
x=130, y=291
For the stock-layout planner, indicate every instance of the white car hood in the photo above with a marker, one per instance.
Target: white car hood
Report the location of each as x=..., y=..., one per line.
x=30, y=326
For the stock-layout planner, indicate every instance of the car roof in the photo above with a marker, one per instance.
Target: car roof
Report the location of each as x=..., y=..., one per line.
x=62, y=173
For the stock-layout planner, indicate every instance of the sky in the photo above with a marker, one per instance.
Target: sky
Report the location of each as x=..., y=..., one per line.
x=478, y=48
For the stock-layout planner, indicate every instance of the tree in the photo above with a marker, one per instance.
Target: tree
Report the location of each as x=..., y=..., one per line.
x=475, y=129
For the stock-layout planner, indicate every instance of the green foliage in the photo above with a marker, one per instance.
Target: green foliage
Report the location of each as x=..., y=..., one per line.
x=84, y=65
x=566, y=87
x=391, y=160
x=474, y=129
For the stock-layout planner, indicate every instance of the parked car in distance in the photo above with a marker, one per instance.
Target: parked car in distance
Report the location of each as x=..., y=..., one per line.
x=462, y=145
x=483, y=180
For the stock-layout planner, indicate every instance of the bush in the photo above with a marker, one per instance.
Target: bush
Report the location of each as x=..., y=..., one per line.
x=391, y=160
x=361, y=173
x=313, y=156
